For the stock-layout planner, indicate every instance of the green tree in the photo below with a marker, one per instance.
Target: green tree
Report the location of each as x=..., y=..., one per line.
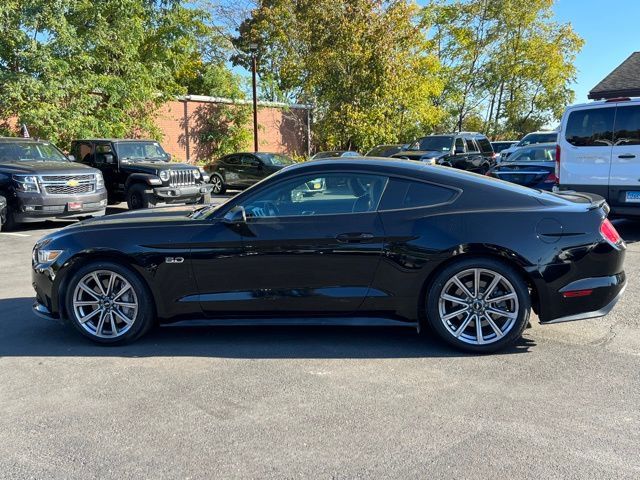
x=365, y=65
x=506, y=61
x=79, y=68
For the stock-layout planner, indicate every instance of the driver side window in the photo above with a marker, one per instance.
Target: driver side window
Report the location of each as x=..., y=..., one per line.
x=320, y=194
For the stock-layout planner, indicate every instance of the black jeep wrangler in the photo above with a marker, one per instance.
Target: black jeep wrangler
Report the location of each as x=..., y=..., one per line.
x=140, y=173
x=38, y=182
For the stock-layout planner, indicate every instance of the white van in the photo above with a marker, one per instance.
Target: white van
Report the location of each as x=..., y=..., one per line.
x=599, y=152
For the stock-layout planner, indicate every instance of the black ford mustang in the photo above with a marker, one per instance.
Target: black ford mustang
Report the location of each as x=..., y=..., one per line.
x=467, y=255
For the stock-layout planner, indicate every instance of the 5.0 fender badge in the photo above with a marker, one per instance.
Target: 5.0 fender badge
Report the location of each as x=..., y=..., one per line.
x=174, y=259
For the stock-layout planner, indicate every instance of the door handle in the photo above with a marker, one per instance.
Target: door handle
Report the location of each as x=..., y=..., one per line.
x=354, y=237
x=627, y=155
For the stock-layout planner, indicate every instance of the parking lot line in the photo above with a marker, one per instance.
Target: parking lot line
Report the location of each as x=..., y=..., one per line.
x=15, y=234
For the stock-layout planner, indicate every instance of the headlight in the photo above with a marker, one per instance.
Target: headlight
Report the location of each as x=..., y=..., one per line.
x=164, y=175
x=196, y=174
x=48, y=256
x=26, y=183
x=99, y=181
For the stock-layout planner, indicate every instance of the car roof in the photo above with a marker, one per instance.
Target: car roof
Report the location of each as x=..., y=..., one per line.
x=23, y=140
x=539, y=145
x=599, y=103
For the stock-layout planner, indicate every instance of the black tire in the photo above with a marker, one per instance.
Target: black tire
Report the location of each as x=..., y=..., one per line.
x=144, y=318
x=218, y=187
x=8, y=222
x=514, y=284
x=137, y=197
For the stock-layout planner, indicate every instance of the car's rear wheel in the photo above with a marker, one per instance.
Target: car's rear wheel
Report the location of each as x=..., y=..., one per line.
x=218, y=184
x=109, y=304
x=479, y=305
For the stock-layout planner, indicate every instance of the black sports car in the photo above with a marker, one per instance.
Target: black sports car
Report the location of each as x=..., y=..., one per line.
x=414, y=244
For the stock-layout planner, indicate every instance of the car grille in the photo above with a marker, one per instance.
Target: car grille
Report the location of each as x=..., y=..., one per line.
x=68, y=184
x=66, y=190
x=181, y=178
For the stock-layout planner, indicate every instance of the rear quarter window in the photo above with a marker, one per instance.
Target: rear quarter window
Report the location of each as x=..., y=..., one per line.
x=402, y=193
x=485, y=145
x=590, y=128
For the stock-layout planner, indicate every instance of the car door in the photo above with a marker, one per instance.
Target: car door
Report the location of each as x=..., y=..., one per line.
x=624, y=180
x=474, y=157
x=106, y=160
x=458, y=159
x=229, y=167
x=252, y=169
x=304, y=252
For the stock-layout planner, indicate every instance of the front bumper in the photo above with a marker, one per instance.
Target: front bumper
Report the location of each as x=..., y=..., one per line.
x=177, y=194
x=36, y=207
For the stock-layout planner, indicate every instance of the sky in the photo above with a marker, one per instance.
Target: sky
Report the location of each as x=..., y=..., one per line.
x=610, y=29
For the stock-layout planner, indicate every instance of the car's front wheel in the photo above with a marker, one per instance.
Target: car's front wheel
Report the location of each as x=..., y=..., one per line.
x=479, y=305
x=108, y=303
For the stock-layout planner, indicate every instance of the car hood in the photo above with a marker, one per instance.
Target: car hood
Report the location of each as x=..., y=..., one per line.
x=37, y=168
x=134, y=218
x=417, y=154
x=152, y=167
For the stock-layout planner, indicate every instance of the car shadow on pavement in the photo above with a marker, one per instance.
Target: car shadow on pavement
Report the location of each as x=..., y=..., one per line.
x=24, y=334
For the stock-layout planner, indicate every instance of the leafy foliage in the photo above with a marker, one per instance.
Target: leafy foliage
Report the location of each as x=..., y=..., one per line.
x=365, y=64
x=79, y=68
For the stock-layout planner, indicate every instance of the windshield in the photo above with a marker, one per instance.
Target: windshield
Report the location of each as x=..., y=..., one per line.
x=29, y=152
x=141, y=151
x=536, y=154
x=436, y=143
x=327, y=155
x=275, y=159
x=534, y=138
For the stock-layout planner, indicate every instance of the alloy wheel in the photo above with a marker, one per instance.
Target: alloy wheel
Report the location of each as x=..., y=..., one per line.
x=105, y=304
x=478, y=306
x=216, y=181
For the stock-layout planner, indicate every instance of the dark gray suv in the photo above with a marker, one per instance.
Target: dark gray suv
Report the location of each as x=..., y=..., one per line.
x=464, y=150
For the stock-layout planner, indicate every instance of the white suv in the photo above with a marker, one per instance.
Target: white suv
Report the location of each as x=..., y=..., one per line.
x=599, y=152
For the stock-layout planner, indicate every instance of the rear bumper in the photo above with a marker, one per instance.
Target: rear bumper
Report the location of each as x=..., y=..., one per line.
x=604, y=294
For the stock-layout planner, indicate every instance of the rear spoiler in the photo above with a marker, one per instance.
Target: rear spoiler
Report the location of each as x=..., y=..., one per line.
x=595, y=200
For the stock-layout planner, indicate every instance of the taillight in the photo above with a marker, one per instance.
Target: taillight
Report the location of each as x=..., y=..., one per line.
x=557, y=164
x=551, y=178
x=609, y=232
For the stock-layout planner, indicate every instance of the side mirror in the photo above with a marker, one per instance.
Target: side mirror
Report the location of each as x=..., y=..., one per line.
x=71, y=158
x=235, y=215
x=108, y=158
x=459, y=151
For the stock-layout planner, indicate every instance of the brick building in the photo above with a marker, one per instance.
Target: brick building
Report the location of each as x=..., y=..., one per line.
x=282, y=128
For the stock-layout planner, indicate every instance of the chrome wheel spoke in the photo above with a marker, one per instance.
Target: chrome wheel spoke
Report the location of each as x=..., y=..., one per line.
x=100, y=324
x=90, y=303
x=85, y=288
x=493, y=325
x=492, y=285
x=451, y=298
x=94, y=275
x=89, y=316
x=479, y=336
x=502, y=313
x=112, y=279
x=114, y=330
x=502, y=298
x=457, y=313
x=123, y=317
x=126, y=304
x=464, y=325
x=476, y=283
x=121, y=292
x=462, y=287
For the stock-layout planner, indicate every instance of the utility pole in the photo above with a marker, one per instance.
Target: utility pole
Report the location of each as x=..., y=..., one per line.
x=254, y=66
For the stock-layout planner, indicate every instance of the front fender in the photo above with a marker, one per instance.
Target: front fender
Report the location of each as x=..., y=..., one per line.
x=146, y=178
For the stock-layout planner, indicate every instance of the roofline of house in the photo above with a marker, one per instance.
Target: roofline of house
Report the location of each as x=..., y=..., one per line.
x=605, y=94
x=207, y=99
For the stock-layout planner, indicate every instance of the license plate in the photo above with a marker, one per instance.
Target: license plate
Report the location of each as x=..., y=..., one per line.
x=633, y=197
x=74, y=206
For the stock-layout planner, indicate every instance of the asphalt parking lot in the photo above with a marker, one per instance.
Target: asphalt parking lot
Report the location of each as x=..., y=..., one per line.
x=307, y=402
